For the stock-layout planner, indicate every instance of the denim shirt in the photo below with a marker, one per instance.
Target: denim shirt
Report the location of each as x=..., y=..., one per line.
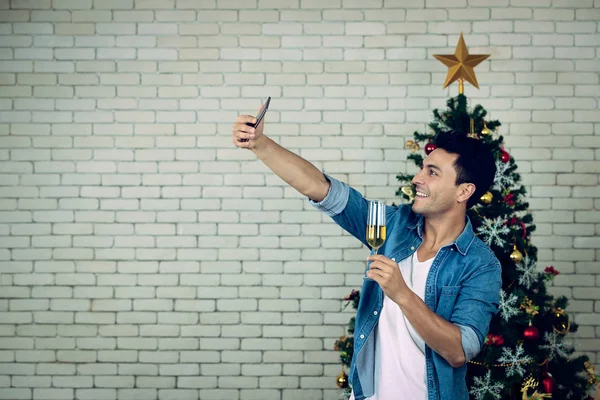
x=462, y=287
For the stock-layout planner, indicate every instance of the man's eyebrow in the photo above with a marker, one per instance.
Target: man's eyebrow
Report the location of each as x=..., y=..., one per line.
x=433, y=166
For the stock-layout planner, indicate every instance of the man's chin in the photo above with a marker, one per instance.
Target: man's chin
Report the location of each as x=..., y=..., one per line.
x=417, y=209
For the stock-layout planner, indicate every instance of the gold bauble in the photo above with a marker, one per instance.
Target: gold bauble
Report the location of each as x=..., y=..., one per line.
x=485, y=131
x=486, y=198
x=413, y=146
x=408, y=190
x=516, y=255
x=342, y=380
x=561, y=322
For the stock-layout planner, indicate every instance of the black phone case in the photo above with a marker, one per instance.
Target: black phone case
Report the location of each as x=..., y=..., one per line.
x=259, y=118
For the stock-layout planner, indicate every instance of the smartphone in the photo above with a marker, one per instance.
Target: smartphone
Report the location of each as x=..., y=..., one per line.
x=260, y=117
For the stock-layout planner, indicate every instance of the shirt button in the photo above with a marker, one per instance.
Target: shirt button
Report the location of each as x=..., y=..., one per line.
x=452, y=249
x=362, y=336
x=374, y=312
x=393, y=259
x=412, y=247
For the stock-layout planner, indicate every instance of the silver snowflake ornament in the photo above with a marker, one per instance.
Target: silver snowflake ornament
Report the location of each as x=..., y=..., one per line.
x=502, y=179
x=484, y=386
x=515, y=360
x=556, y=345
x=527, y=272
x=508, y=305
x=493, y=231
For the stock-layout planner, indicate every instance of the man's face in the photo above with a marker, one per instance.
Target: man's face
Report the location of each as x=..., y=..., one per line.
x=436, y=189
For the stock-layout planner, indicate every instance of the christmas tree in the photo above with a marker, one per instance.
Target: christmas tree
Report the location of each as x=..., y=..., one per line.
x=527, y=353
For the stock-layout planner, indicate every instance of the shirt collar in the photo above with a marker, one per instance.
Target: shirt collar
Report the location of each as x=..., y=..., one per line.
x=462, y=242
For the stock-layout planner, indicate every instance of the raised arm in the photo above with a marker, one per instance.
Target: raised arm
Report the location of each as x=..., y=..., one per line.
x=293, y=169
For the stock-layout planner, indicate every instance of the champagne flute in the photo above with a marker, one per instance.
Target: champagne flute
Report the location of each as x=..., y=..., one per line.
x=376, y=232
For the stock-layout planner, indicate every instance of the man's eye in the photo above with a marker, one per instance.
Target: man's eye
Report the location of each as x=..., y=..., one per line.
x=432, y=172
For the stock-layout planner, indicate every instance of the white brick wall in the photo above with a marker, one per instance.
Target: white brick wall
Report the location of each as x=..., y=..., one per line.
x=142, y=256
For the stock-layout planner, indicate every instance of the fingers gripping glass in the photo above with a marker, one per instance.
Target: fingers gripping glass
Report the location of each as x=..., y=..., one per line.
x=376, y=232
x=260, y=117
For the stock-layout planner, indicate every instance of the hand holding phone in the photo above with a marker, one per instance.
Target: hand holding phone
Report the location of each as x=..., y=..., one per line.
x=260, y=117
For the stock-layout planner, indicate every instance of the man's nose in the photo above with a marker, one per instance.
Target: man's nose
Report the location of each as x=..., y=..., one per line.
x=417, y=178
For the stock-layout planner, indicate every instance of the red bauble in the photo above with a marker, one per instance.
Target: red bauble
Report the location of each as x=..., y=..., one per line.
x=531, y=333
x=505, y=157
x=548, y=383
x=429, y=147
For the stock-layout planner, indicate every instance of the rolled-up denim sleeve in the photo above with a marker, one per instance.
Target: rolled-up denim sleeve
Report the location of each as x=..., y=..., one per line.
x=478, y=301
x=336, y=199
x=470, y=342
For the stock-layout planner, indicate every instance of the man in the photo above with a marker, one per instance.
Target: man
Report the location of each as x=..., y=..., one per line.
x=434, y=285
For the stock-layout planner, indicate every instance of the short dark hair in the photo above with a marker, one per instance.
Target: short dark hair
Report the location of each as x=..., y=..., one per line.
x=475, y=163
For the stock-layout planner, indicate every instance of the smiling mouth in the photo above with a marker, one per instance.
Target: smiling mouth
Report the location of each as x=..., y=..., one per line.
x=421, y=195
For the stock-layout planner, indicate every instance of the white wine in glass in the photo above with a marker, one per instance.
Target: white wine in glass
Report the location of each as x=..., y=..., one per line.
x=375, y=236
x=376, y=232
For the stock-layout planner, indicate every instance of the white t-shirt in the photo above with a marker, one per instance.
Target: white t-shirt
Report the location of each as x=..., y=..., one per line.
x=399, y=349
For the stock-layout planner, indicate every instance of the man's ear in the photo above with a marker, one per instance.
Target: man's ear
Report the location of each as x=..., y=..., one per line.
x=465, y=191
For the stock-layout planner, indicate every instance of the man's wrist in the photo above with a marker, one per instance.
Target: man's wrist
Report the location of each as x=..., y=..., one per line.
x=260, y=144
x=405, y=298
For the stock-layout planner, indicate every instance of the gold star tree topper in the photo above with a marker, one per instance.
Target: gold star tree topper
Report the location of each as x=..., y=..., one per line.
x=460, y=65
